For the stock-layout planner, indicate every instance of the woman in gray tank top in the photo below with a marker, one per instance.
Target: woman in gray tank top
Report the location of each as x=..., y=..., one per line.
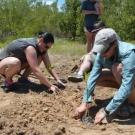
x=27, y=53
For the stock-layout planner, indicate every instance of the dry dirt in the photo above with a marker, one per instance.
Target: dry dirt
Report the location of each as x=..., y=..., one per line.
x=35, y=111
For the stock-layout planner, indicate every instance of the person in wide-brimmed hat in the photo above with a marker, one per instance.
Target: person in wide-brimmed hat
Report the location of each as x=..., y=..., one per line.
x=87, y=62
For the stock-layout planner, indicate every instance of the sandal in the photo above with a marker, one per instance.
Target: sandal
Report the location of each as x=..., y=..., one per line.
x=129, y=113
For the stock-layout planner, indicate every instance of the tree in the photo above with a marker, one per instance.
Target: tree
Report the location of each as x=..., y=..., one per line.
x=70, y=17
x=120, y=17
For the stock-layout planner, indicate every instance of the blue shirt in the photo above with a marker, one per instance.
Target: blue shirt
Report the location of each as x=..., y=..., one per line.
x=125, y=54
x=89, y=19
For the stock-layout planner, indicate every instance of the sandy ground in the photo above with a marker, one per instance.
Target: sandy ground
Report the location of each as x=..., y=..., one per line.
x=36, y=111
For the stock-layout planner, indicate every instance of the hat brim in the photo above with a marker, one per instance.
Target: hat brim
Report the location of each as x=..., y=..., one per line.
x=94, y=30
x=99, y=48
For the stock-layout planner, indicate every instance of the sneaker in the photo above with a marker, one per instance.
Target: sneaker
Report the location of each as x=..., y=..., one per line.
x=9, y=86
x=25, y=82
x=76, y=78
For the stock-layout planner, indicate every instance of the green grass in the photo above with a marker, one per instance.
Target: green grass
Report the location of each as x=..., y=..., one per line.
x=64, y=47
x=75, y=49
x=3, y=45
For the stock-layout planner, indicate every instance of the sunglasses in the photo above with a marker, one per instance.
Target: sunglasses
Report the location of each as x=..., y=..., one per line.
x=47, y=47
x=110, y=45
x=108, y=49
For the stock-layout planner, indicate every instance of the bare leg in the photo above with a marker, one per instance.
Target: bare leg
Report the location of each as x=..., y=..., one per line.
x=85, y=67
x=107, y=79
x=117, y=70
x=27, y=68
x=86, y=64
x=89, y=39
x=9, y=67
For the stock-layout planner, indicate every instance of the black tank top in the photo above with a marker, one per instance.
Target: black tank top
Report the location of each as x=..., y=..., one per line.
x=16, y=49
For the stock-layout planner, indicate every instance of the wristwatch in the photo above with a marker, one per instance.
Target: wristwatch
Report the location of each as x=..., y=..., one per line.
x=106, y=112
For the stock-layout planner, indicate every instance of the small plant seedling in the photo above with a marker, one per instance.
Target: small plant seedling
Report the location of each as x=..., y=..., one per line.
x=86, y=76
x=49, y=67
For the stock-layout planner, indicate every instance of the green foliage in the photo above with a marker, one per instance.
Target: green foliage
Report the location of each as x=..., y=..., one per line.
x=66, y=47
x=86, y=76
x=24, y=18
x=70, y=21
x=49, y=68
x=120, y=17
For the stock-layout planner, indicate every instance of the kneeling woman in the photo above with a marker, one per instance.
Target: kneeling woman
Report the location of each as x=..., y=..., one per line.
x=27, y=53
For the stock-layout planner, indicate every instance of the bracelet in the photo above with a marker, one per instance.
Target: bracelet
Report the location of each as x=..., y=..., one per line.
x=106, y=113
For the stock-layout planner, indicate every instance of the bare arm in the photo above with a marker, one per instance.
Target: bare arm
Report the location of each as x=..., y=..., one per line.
x=47, y=63
x=51, y=70
x=31, y=56
x=86, y=12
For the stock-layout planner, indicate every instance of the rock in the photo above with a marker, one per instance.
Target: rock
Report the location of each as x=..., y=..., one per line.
x=102, y=128
x=46, y=109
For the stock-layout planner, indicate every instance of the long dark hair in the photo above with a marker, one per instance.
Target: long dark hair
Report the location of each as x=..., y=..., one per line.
x=47, y=37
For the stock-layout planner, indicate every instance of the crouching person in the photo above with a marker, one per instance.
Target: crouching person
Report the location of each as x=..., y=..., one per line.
x=27, y=53
x=114, y=55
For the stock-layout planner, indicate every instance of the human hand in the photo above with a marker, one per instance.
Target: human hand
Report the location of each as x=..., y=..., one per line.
x=99, y=117
x=55, y=89
x=80, y=111
x=82, y=59
x=95, y=12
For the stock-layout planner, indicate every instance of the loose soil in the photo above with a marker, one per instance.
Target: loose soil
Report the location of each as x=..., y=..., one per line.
x=36, y=111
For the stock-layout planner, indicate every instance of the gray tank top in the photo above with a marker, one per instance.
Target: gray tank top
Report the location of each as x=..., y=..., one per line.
x=16, y=49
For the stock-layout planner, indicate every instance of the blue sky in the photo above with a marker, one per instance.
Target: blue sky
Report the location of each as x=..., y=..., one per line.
x=60, y=2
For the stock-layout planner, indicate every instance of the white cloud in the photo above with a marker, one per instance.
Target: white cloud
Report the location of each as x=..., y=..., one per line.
x=49, y=2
